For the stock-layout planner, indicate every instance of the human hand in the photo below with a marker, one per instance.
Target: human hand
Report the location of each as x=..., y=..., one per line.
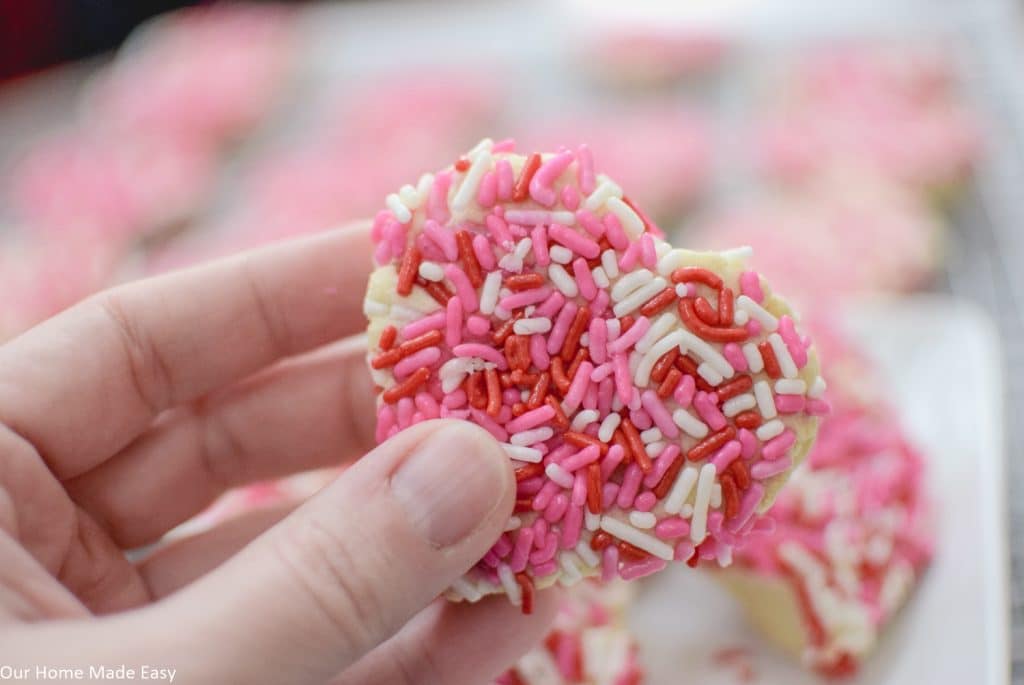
x=130, y=412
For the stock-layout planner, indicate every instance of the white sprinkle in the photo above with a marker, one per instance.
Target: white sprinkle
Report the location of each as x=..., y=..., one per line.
x=489, y=292
x=605, y=189
x=705, y=351
x=680, y=491
x=522, y=453
x=741, y=253
x=662, y=325
x=716, y=496
x=699, y=522
x=502, y=314
x=511, y=263
x=817, y=389
x=629, y=283
x=467, y=191
x=531, y=326
x=454, y=370
x=758, y=312
x=708, y=373
x=431, y=271
x=608, y=426
x=585, y=339
x=614, y=327
x=765, y=401
x=642, y=375
x=423, y=187
x=401, y=212
x=485, y=144
x=584, y=419
x=638, y=297
x=644, y=520
x=559, y=475
x=785, y=359
x=739, y=403
x=588, y=555
x=531, y=437
x=689, y=424
x=591, y=520
x=572, y=575
x=409, y=197
x=562, y=280
x=513, y=523
x=508, y=581
x=373, y=308
x=655, y=448
x=753, y=355
x=661, y=248
x=600, y=277
x=466, y=590
x=523, y=248
x=769, y=430
x=637, y=538
x=790, y=386
x=610, y=263
x=650, y=435
x=686, y=511
x=632, y=224
x=669, y=262
x=740, y=318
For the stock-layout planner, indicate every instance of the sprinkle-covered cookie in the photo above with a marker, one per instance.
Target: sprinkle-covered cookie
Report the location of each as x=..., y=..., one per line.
x=652, y=399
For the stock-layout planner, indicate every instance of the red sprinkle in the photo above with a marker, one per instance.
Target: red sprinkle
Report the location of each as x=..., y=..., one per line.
x=505, y=329
x=748, y=419
x=526, y=585
x=436, y=290
x=528, y=471
x=630, y=551
x=523, y=505
x=669, y=479
x=689, y=367
x=636, y=445
x=725, y=307
x=464, y=242
x=582, y=355
x=626, y=323
x=697, y=274
x=664, y=363
x=493, y=392
x=584, y=440
x=477, y=395
x=705, y=312
x=462, y=164
x=740, y=474
x=397, y=354
x=560, y=420
x=572, y=338
x=562, y=381
x=668, y=385
x=521, y=190
x=711, y=444
x=689, y=316
x=408, y=387
x=730, y=495
x=520, y=282
x=600, y=540
x=387, y=338
x=539, y=392
x=661, y=301
x=771, y=364
x=408, y=270
x=594, y=488
x=736, y=386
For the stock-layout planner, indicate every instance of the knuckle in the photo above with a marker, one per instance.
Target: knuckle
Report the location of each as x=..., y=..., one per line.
x=146, y=366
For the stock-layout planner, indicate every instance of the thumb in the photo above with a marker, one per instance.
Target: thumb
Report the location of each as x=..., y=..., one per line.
x=355, y=563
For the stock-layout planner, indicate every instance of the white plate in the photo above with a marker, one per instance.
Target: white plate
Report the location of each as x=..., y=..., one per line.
x=944, y=362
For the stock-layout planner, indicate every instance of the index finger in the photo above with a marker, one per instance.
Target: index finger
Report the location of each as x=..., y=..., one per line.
x=85, y=383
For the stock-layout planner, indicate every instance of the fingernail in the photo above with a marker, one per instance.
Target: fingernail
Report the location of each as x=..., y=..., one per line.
x=452, y=482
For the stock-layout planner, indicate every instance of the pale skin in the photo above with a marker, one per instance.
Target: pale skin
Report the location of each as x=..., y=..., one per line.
x=133, y=410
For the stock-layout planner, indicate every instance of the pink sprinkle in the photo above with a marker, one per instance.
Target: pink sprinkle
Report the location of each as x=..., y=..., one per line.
x=540, y=532
x=379, y=219
x=648, y=257
x=581, y=245
x=683, y=393
x=382, y=253
x=521, y=551
x=561, y=327
x=579, y=490
x=463, y=288
x=750, y=285
x=462, y=414
x=484, y=255
x=430, y=249
x=485, y=352
x=489, y=424
x=605, y=393
x=640, y=418
x=630, y=257
x=530, y=487
x=598, y=334
x=506, y=179
x=404, y=412
x=623, y=381
x=726, y=455
x=539, y=352
x=816, y=407
x=543, y=498
x=749, y=442
x=477, y=325
x=751, y=498
x=570, y=198
x=454, y=400
x=505, y=145
x=453, y=336
x=584, y=279
x=645, y=501
x=498, y=229
x=491, y=559
x=539, y=241
x=797, y=350
x=630, y=486
x=543, y=556
x=428, y=405
x=659, y=414
x=574, y=397
x=611, y=461
x=530, y=419
x=547, y=174
x=766, y=469
x=503, y=546
x=524, y=298
x=552, y=305
x=609, y=491
x=753, y=328
x=630, y=337
x=385, y=422
x=673, y=527
x=601, y=372
x=590, y=223
x=661, y=464
x=709, y=411
x=790, y=404
x=395, y=233
x=487, y=194
x=613, y=229
x=600, y=303
x=425, y=357
x=556, y=509
x=585, y=170
x=644, y=567
x=431, y=322
x=734, y=355
x=510, y=395
x=437, y=202
x=529, y=217
x=777, y=446
x=571, y=527
x=586, y=456
x=610, y=563
x=444, y=239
